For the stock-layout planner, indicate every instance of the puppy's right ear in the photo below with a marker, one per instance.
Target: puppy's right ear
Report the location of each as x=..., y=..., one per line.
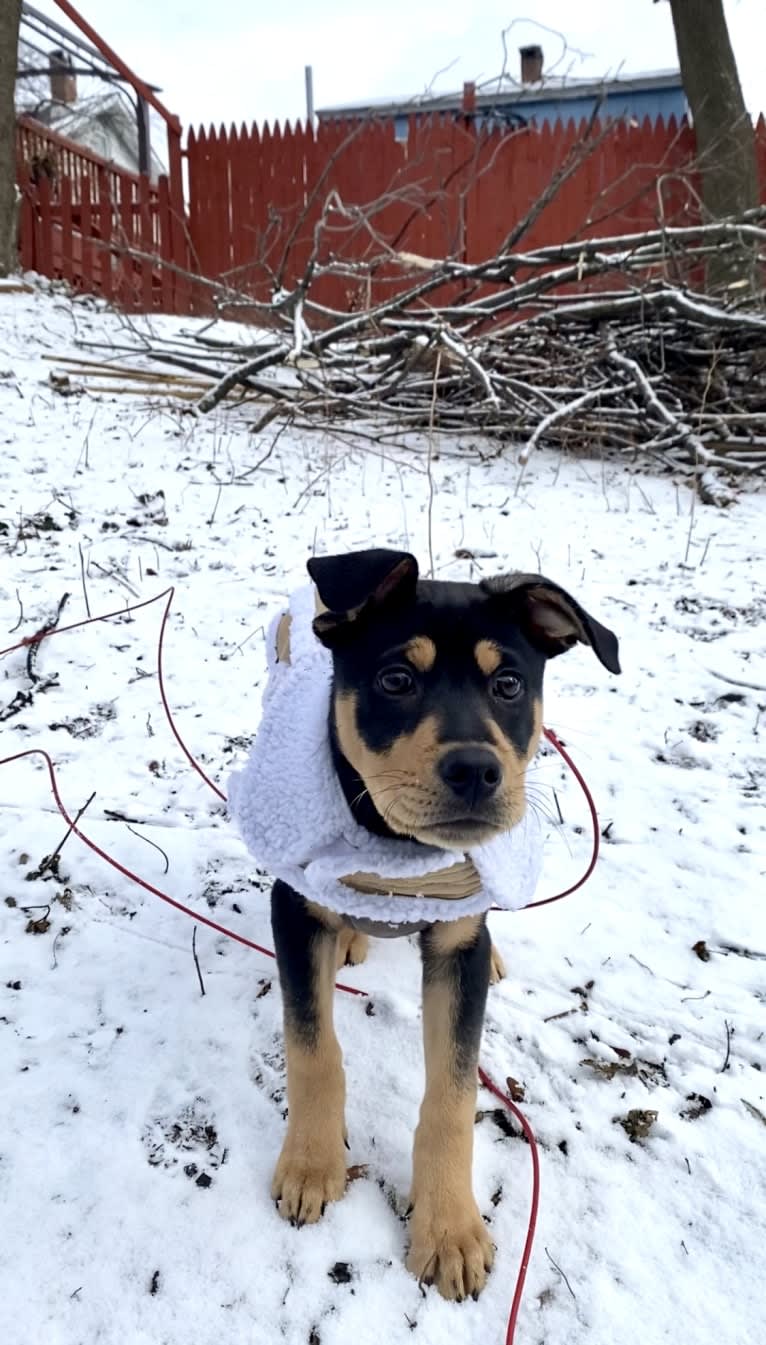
x=354, y=587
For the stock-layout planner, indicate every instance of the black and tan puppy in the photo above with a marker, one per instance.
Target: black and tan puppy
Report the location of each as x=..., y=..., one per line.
x=436, y=714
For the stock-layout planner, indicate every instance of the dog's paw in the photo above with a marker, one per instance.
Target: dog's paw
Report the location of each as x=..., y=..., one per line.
x=352, y=947
x=451, y=1248
x=306, y=1178
x=496, y=967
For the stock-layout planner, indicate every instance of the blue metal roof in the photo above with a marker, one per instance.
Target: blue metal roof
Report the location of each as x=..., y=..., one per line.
x=656, y=94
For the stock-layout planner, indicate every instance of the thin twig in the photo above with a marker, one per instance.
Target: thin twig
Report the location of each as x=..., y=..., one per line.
x=36, y=640
x=13, y=629
x=262, y=423
x=641, y=964
x=153, y=844
x=557, y=1267
x=196, y=962
x=727, y=1057
x=737, y=681
x=114, y=574
x=82, y=577
x=238, y=648
x=49, y=862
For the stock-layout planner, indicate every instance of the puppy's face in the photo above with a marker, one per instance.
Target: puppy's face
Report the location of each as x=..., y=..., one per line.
x=437, y=696
x=438, y=709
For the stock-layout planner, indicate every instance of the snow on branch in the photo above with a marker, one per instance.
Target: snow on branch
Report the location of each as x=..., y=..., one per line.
x=602, y=344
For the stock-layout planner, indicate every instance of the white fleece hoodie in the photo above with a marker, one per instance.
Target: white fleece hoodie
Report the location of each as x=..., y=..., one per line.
x=294, y=818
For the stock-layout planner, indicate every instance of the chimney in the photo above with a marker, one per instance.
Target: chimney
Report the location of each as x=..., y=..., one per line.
x=63, y=79
x=531, y=64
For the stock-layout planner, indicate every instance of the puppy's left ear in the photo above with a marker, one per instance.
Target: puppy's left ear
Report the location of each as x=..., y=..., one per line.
x=354, y=587
x=551, y=618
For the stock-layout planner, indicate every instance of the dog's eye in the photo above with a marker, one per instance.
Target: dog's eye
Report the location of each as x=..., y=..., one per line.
x=507, y=685
x=396, y=681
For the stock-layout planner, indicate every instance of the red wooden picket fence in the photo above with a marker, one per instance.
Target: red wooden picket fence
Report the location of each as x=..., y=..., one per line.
x=102, y=229
x=256, y=197
x=262, y=203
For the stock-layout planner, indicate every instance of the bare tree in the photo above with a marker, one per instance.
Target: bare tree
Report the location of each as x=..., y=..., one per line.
x=10, y=17
x=725, y=136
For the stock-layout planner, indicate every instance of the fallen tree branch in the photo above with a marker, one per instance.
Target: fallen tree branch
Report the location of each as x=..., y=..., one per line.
x=683, y=432
x=583, y=345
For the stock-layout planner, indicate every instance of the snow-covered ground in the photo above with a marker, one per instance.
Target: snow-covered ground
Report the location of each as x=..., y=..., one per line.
x=140, y=1121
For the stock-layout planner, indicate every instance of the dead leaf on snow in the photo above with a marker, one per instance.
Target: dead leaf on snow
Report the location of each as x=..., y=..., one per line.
x=355, y=1172
x=608, y=1068
x=40, y=926
x=637, y=1124
x=650, y=1072
x=698, y=1106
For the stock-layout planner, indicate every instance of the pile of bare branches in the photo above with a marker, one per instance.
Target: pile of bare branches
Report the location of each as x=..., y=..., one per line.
x=596, y=346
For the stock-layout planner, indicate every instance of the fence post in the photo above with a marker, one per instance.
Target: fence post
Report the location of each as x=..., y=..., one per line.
x=67, y=236
x=144, y=233
x=27, y=222
x=179, y=251
x=126, y=225
x=105, y=227
x=45, y=227
x=164, y=220
x=86, y=235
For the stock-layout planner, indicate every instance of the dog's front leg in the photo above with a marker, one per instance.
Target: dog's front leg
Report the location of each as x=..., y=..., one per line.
x=449, y=1243
x=312, y=1165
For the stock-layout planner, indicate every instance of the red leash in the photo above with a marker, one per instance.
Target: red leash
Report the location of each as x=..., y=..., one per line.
x=485, y=1079
x=534, y=1202
x=562, y=751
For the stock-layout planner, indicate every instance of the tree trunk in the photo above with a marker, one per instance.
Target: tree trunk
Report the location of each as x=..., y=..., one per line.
x=724, y=131
x=10, y=15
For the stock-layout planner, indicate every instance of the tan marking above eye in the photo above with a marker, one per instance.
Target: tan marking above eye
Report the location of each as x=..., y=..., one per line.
x=487, y=656
x=421, y=653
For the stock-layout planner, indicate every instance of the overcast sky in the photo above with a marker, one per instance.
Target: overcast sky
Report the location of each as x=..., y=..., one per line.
x=243, y=60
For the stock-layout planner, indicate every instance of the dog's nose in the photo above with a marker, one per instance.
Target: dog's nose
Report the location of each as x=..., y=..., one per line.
x=472, y=773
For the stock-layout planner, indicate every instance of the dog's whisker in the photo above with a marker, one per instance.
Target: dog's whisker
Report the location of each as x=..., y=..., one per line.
x=383, y=775
x=388, y=812
x=540, y=784
x=533, y=791
x=387, y=789
x=543, y=814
